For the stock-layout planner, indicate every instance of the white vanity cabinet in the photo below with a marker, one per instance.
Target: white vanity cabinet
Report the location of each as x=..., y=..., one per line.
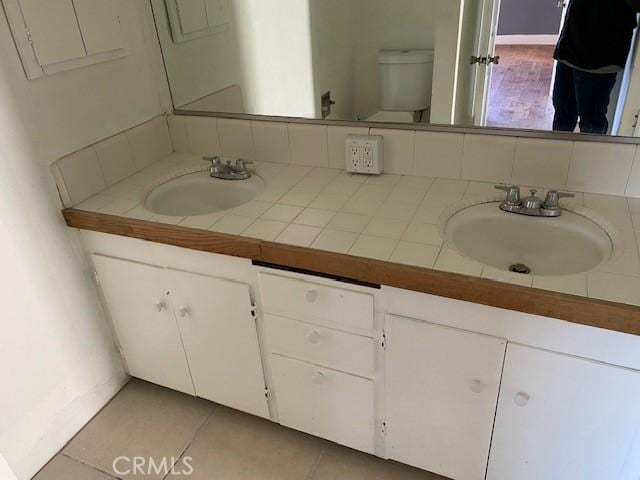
x=562, y=417
x=175, y=326
x=320, y=339
x=137, y=298
x=441, y=392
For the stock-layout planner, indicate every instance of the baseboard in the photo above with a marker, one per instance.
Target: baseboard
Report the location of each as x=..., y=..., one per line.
x=527, y=39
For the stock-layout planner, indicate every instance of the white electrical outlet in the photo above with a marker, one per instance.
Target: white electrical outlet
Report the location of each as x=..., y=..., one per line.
x=364, y=154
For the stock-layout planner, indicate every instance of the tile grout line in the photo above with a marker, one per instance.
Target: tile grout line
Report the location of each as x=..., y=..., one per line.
x=313, y=468
x=86, y=464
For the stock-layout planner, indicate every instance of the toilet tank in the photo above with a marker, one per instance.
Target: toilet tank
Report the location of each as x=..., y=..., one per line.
x=406, y=79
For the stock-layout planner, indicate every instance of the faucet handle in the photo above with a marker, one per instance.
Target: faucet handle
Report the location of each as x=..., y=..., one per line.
x=214, y=159
x=553, y=199
x=513, y=194
x=241, y=164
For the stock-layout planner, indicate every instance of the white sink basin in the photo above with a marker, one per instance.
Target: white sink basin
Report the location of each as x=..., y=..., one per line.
x=199, y=194
x=565, y=245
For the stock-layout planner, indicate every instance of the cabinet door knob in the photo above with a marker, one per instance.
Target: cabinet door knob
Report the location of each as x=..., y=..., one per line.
x=318, y=378
x=311, y=296
x=159, y=306
x=182, y=312
x=477, y=386
x=313, y=337
x=522, y=399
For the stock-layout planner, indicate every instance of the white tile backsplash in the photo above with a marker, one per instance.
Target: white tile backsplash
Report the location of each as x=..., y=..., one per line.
x=633, y=186
x=202, y=133
x=399, y=148
x=488, y=158
x=82, y=175
x=541, y=162
x=601, y=167
x=178, y=131
x=236, y=138
x=438, y=154
x=116, y=159
x=337, y=143
x=309, y=145
x=150, y=142
x=271, y=141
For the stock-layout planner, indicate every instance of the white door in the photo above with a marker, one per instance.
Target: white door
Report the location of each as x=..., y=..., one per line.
x=220, y=337
x=562, y=417
x=442, y=389
x=137, y=299
x=486, y=47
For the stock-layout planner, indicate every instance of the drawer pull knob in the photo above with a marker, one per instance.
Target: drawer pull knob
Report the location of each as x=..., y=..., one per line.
x=159, y=306
x=477, y=386
x=183, y=312
x=522, y=399
x=311, y=296
x=313, y=337
x=318, y=378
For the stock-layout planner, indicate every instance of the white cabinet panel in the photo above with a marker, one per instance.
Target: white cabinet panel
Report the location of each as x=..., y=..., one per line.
x=221, y=340
x=193, y=15
x=54, y=30
x=217, y=12
x=100, y=25
x=562, y=417
x=442, y=389
x=325, y=403
x=324, y=346
x=137, y=300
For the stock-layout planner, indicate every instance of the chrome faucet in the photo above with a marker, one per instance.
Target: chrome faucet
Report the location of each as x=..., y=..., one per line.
x=227, y=171
x=532, y=206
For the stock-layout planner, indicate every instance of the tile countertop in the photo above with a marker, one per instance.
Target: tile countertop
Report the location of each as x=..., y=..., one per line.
x=388, y=217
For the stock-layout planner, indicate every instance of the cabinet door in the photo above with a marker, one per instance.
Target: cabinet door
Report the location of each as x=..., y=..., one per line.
x=100, y=25
x=562, y=417
x=442, y=389
x=136, y=298
x=221, y=340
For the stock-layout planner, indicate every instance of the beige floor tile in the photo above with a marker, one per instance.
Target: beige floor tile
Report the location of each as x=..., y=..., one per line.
x=65, y=468
x=236, y=446
x=386, y=228
x=373, y=247
x=282, y=213
x=416, y=254
x=335, y=241
x=252, y=209
x=142, y=420
x=423, y=233
x=339, y=463
x=298, y=197
x=330, y=201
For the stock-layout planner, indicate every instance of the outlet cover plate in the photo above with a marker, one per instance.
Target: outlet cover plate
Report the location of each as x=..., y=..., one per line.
x=364, y=154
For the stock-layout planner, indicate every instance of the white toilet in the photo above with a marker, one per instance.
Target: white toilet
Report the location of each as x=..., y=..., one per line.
x=406, y=80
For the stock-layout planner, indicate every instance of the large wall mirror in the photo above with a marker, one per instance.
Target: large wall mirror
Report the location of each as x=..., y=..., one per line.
x=483, y=63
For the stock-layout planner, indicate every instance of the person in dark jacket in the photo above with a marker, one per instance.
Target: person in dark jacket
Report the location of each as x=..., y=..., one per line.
x=592, y=50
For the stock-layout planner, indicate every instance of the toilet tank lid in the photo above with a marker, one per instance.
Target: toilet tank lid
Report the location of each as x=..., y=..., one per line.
x=405, y=56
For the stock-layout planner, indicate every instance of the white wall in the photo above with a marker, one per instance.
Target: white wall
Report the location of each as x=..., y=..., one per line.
x=198, y=67
x=57, y=361
x=275, y=50
x=332, y=23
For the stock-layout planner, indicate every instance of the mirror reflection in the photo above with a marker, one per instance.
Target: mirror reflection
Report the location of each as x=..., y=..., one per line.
x=523, y=64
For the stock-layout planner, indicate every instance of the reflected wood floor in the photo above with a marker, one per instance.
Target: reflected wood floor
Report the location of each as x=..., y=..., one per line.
x=519, y=95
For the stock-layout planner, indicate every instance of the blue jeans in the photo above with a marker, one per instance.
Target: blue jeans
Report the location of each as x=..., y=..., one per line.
x=583, y=95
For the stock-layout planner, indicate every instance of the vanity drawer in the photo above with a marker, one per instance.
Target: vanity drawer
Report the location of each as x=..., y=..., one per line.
x=324, y=346
x=313, y=302
x=325, y=403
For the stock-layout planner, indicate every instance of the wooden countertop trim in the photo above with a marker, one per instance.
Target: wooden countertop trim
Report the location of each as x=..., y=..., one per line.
x=580, y=310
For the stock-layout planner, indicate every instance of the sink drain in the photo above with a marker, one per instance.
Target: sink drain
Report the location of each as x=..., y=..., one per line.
x=520, y=268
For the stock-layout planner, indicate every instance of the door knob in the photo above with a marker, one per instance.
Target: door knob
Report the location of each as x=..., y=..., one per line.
x=495, y=60
x=159, y=306
x=182, y=312
x=318, y=378
x=477, y=386
x=522, y=399
x=313, y=337
x=479, y=59
x=311, y=296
